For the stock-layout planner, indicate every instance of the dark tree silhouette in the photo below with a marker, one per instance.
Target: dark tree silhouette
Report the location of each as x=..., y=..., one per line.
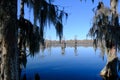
x=45, y=13
x=105, y=34
x=8, y=36
x=18, y=34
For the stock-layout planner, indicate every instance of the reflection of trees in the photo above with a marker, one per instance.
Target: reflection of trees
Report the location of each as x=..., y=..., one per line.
x=42, y=47
x=63, y=50
x=36, y=77
x=48, y=48
x=105, y=32
x=63, y=46
x=75, y=50
x=75, y=46
x=11, y=28
x=49, y=45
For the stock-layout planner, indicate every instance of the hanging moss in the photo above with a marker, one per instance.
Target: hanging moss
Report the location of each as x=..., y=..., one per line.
x=105, y=28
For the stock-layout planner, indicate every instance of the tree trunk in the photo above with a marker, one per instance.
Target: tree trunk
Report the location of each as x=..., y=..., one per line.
x=0, y=47
x=9, y=64
x=110, y=69
x=112, y=60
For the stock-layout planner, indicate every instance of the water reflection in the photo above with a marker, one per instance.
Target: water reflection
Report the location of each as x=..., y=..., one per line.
x=75, y=46
x=49, y=46
x=63, y=46
x=36, y=77
x=75, y=50
x=63, y=50
x=57, y=67
x=111, y=78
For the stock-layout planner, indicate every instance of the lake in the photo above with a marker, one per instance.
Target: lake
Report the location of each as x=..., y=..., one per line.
x=81, y=63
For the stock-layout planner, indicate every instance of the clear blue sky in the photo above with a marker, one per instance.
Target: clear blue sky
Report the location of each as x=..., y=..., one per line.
x=79, y=20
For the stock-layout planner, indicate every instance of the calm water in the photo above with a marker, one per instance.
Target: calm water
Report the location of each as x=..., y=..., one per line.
x=82, y=63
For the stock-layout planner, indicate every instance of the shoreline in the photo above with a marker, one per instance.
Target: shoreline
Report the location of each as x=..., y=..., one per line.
x=68, y=43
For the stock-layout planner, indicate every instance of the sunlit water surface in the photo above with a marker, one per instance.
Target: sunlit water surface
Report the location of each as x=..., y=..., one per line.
x=82, y=63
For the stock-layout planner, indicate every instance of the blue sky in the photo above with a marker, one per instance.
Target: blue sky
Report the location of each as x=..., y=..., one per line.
x=79, y=20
